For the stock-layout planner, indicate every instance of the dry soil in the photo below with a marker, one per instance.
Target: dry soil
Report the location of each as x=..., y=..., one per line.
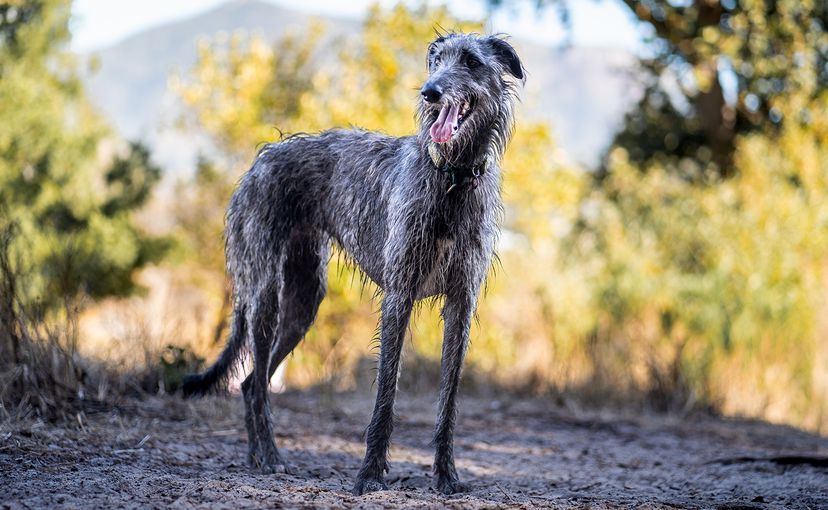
x=515, y=453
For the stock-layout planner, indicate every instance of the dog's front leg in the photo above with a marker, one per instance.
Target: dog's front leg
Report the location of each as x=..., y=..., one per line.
x=457, y=317
x=396, y=310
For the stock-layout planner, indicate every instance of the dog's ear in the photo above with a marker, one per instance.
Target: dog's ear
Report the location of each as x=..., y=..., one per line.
x=507, y=56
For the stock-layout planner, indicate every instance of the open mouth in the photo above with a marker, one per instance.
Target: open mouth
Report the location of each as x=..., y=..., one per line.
x=449, y=120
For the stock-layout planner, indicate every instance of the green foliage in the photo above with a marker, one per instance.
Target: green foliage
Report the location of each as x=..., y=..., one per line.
x=768, y=51
x=174, y=365
x=71, y=200
x=717, y=69
x=694, y=267
x=199, y=216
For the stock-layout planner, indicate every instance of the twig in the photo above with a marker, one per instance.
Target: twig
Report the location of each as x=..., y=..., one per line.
x=127, y=450
x=509, y=496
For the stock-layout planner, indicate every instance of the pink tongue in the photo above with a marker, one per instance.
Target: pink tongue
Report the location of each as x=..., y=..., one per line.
x=444, y=126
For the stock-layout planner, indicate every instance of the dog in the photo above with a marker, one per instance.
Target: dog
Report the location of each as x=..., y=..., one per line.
x=418, y=214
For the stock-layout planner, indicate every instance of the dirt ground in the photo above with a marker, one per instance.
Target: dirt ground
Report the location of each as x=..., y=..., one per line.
x=515, y=453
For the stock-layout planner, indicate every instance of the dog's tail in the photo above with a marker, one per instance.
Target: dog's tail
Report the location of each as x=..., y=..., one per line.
x=196, y=385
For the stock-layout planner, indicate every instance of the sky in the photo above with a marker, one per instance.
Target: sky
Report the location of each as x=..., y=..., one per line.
x=595, y=23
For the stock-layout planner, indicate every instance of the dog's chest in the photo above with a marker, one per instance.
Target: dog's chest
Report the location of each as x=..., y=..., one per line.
x=434, y=282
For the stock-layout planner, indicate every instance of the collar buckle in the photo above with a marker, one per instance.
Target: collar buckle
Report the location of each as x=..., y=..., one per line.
x=459, y=175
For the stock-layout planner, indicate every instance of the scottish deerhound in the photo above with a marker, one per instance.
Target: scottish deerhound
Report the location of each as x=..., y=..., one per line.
x=418, y=214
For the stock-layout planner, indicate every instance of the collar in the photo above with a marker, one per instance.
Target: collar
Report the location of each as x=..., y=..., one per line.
x=459, y=175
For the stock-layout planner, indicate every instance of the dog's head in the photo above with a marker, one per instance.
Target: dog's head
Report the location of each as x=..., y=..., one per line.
x=469, y=94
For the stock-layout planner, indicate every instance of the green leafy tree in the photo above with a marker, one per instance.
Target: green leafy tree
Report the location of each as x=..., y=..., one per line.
x=721, y=69
x=717, y=69
x=65, y=184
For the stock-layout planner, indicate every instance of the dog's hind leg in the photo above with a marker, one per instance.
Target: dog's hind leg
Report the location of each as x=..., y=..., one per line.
x=305, y=283
x=457, y=317
x=294, y=302
x=262, y=325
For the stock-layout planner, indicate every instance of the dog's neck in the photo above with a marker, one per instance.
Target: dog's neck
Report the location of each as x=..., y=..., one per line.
x=476, y=154
x=460, y=176
x=440, y=159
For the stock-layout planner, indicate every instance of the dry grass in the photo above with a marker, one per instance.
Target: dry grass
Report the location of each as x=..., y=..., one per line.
x=42, y=374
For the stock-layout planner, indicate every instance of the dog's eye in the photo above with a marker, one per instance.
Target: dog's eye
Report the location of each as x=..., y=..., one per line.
x=472, y=62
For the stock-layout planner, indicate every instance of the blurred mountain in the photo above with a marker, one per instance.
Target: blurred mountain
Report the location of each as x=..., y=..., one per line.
x=583, y=92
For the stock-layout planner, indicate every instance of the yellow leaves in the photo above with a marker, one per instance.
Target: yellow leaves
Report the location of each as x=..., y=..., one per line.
x=706, y=75
x=710, y=35
x=241, y=87
x=543, y=194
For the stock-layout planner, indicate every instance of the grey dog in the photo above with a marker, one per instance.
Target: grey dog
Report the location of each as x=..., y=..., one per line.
x=418, y=214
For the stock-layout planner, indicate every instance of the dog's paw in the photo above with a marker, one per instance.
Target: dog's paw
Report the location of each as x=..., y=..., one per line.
x=276, y=468
x=269, y=464
x=366, y=485
x=449, y=485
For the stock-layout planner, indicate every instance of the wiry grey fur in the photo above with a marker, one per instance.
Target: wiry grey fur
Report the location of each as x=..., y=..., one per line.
x=384, y=201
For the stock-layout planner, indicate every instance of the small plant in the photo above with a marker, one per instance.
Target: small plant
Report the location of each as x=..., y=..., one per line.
x=176, y=362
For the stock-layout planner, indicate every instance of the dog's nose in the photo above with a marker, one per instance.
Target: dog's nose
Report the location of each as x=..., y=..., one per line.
x=431, y=93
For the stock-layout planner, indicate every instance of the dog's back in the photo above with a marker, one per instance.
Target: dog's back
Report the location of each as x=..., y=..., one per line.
x=353, y=187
